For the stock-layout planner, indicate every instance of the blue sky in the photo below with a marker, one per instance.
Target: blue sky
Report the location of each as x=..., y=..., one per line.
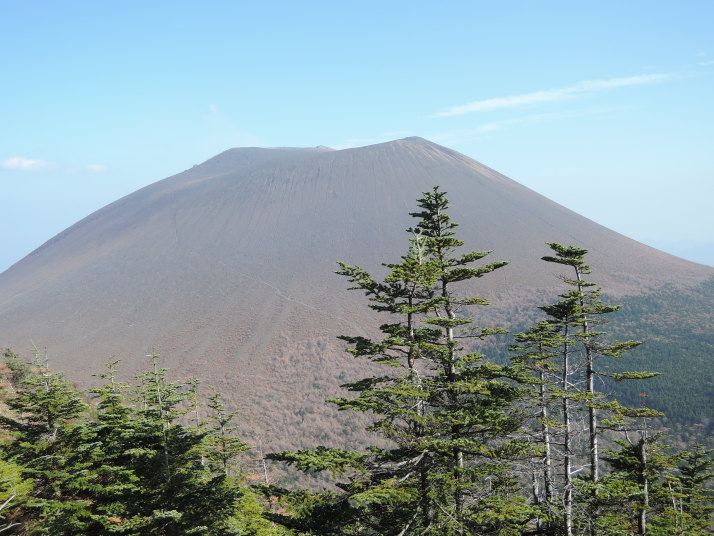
x=605, y=107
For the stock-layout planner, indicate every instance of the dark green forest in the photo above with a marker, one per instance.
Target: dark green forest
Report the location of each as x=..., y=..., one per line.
x=674, y=326
x=685, y=357
x=567, y=435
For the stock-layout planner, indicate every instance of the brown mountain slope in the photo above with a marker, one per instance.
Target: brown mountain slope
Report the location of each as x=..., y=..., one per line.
x=227, y=268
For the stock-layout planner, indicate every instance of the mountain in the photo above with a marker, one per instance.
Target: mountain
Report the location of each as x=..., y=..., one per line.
x=227, y=270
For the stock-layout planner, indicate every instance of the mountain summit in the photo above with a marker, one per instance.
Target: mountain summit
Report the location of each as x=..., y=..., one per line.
x=227, y=268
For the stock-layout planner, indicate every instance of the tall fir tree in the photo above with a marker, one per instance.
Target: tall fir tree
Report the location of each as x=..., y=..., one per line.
x=448, y=412
x=222, y=445
x=564, y=354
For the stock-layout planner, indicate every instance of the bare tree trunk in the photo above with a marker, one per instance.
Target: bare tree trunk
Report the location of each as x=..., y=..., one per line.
x=424, y=500
x=548, y=455
x=567, y=446
x=590, y=378
x=456, y=429
x=262, y=461
x=644, y=482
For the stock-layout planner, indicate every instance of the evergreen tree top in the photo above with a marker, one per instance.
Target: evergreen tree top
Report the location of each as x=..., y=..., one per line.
x=568, y=255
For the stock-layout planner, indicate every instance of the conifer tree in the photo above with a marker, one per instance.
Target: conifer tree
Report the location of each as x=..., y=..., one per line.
x=638, y=490
x=536, y=350
x=570, y=330
x=222, y=445
x=131, y=470
x=696, y=473
x=14, y=491
x=587, y=311
x=45, y=400
x=668, y=490
x=175, y=494
x=45, y=410
x=448, y=412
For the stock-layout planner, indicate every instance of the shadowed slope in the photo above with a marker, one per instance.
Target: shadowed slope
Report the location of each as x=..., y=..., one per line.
x=227, y=269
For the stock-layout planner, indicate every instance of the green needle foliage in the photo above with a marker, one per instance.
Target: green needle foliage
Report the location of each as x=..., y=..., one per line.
x=221, y=445
x=655, y=490
x=447, y=412
x=565, y=355
x=45, y=409
x=131, y=467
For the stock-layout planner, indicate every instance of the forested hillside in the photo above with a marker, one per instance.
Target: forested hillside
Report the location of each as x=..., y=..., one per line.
x=685, y=357
x=675, y=327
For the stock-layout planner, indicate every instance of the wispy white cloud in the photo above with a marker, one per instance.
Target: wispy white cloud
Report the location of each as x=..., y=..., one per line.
x=24, y=163
x=550, y=95
x=35, y=164
x=96, y=168
x=456, y=137
x=706, y=63
x=612, y=83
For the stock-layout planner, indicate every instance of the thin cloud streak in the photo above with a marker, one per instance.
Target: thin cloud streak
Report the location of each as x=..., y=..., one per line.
x=24, y=163
x=466, y=135
x=96, y=168
x=550, y=95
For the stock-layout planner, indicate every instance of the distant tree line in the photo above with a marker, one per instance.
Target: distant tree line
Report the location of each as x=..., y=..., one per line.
x=535, y=446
